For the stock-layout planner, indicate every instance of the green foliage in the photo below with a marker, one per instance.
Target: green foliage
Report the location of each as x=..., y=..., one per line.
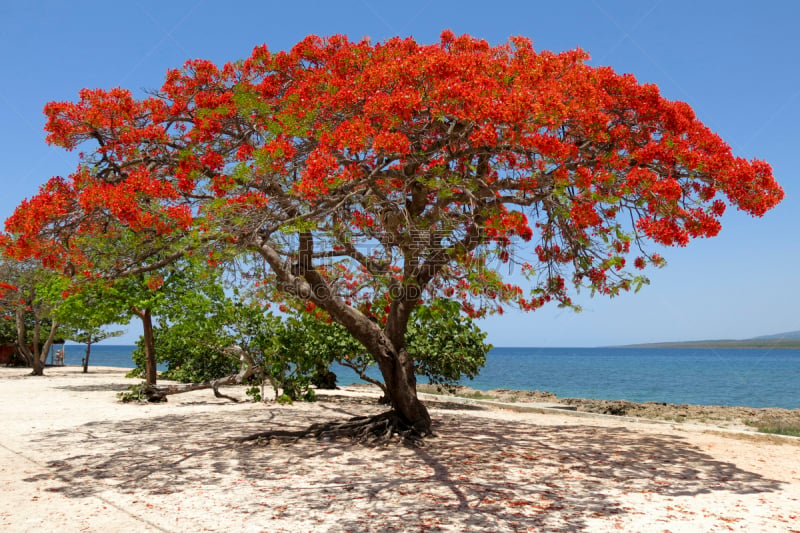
x=789, y=431
x=28, y=310
x=202, y=325
x=8, y=329
x=446, y=345
x=203, y=328
x=187, y=358
x=84, y=309
x=284, y=399
x=776, y=424
x=91, y=335
x=255, y=393
x=324, y=342
x=286, y=358
x=135, y=393
x=189, y=339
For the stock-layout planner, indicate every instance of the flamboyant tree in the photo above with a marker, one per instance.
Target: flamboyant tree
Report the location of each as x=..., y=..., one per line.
x=372, y=177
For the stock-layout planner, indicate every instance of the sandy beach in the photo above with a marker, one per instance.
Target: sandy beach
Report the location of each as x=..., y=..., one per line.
x=72, y=458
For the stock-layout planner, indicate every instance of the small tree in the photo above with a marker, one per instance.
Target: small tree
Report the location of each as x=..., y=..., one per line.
x=23, y=299
x=231, y=341
x=84, y=311
x=95, y=303
x=144, y=295
x=191, y=337
x=89, y=336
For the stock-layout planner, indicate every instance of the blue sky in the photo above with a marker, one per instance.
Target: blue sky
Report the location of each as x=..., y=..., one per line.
x=734, y=62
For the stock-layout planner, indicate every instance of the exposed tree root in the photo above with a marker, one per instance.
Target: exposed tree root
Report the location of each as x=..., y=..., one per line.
x=159, y=393
x=375, y=430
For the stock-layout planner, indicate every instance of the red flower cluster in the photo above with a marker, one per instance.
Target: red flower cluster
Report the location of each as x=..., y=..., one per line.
x=439, y=151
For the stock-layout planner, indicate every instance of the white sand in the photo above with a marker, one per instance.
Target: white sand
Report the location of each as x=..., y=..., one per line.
x=73, y=459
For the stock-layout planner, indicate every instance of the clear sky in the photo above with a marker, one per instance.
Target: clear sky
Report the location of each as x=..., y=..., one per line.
x=735, y=62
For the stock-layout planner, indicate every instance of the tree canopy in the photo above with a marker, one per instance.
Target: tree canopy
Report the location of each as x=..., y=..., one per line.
x=372, y=177
x=27, y=301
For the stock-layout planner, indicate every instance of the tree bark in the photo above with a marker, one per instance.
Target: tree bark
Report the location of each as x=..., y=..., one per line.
x=35, y=355
x=86, y=358
x=156, y=393
x=22, y=346
x=387, y=346
x=361, y=371
x=159, y=393
x=150, y=373
x=397, y=369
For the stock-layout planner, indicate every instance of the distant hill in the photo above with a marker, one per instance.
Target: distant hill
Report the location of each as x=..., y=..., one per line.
x=789, y=335
x=789, y=339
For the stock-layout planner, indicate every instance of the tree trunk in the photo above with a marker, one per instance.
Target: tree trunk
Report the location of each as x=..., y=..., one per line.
x=86, y=358
x=28, y=352
x=397, y=369
x=36, y=364
x=150, y=373
x=248, y=368
x=387, y=346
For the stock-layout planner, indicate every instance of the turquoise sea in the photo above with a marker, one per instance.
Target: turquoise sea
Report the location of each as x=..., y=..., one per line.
x=755, y=378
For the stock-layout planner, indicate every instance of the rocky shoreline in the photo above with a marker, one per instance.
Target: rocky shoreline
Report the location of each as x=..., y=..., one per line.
x=719, y=415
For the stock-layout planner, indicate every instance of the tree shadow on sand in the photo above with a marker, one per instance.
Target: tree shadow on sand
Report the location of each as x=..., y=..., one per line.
x=97, y=387
x=477, y=473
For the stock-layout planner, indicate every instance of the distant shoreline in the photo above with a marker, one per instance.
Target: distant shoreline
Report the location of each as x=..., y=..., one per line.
x=789, y=344
x=725, y=344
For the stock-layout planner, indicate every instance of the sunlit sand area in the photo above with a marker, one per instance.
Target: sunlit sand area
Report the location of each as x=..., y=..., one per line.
x=74, y=459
